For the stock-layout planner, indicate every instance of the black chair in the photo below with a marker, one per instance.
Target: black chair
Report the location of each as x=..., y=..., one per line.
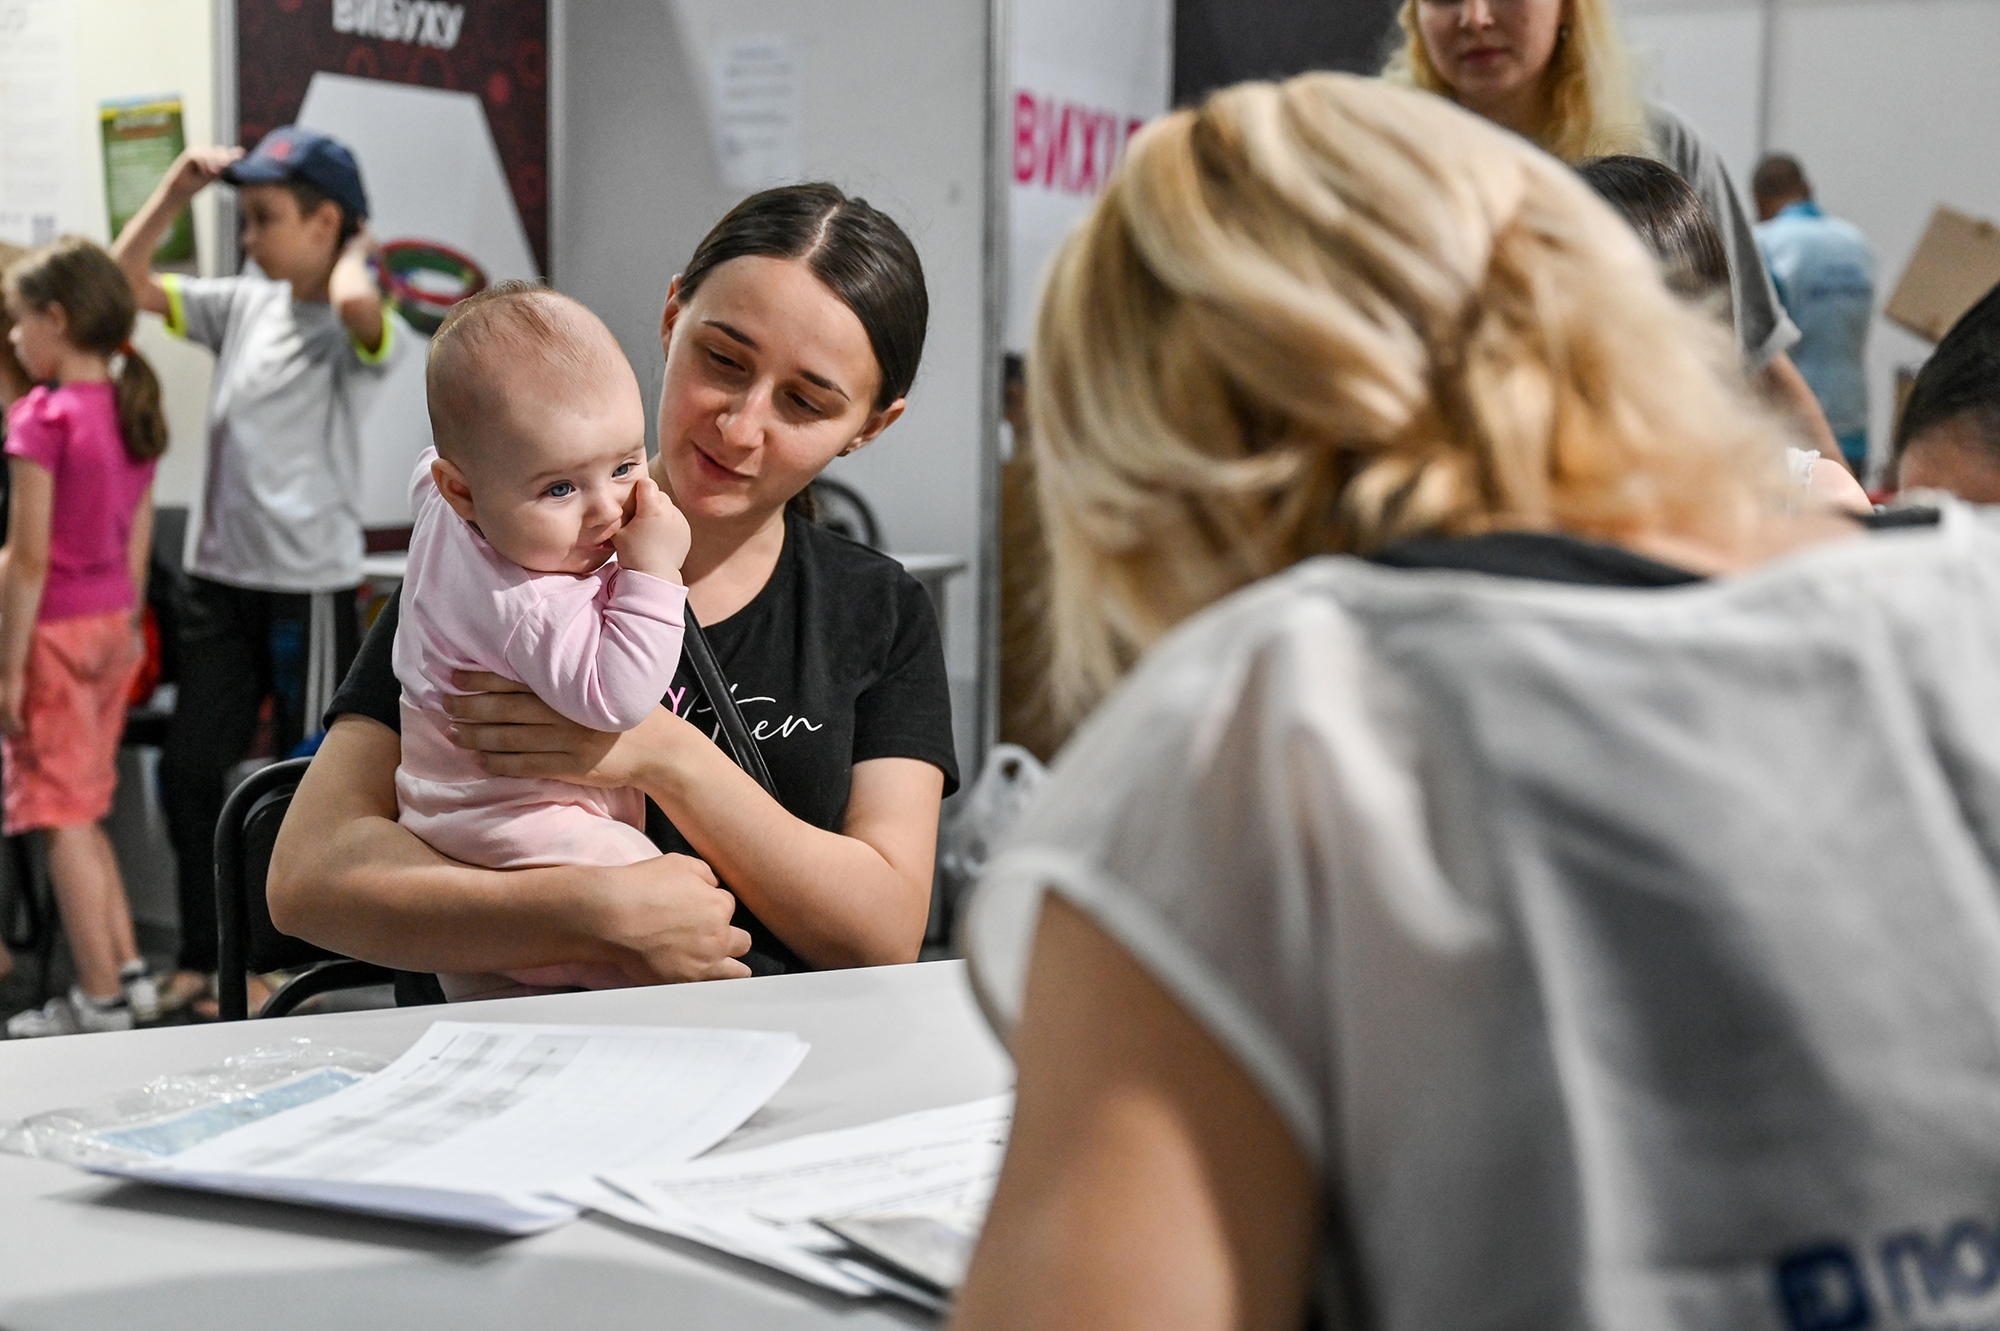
x=839, y=507
x=246, y=939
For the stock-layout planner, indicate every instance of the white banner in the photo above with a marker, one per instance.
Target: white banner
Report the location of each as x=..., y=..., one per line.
x=39, y=181
x=1085, y=78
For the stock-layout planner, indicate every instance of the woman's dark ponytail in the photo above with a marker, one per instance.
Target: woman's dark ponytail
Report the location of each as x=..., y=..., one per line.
x=97, y=301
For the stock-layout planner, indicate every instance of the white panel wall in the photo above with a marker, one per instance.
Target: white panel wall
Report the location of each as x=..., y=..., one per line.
x=895, y=110
x=1893, y=108
x=1892, y=105
x=139, y=48
x=1707, y=63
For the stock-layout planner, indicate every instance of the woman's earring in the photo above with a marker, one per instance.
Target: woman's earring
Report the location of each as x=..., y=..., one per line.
x=1562, y=34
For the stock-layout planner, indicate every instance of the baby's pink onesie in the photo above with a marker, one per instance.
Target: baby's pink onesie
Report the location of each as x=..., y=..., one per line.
x=600, y=648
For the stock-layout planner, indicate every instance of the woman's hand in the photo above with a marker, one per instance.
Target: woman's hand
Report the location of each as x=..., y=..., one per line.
x=347, y=875
x=672, y=917
x=515, y=733
x=1834, y=485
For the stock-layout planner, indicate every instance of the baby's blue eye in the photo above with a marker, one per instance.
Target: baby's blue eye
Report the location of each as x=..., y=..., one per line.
x=623, y=469
x=561, y=490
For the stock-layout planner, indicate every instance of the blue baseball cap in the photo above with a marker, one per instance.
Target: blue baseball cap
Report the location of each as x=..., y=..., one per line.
x=292, y=153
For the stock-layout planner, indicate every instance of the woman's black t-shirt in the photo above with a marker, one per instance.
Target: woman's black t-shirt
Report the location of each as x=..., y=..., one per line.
x=836, y=661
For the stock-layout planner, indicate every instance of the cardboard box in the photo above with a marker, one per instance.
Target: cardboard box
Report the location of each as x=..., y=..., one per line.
x=1956, y=262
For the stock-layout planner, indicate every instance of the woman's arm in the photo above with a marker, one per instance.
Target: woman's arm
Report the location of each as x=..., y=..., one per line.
x=346, y=875
x=1148, y=1184
x=31, y=499
x=1787, y=390
x=857, y=897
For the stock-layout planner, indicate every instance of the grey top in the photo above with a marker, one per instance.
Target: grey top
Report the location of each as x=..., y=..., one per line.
x=280, y=506
x=1761, y=323
x=1621, y=958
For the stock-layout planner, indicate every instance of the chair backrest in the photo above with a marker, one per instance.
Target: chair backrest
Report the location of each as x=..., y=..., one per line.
x=841, y=508
x=244, y=837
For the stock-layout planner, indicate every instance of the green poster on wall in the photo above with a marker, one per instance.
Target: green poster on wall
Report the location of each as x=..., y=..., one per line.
x=142, y=138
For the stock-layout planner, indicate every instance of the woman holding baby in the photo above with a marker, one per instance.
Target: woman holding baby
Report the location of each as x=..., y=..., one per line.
x=791, y=338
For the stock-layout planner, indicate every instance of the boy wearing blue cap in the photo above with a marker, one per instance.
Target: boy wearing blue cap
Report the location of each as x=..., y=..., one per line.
x=274, y=551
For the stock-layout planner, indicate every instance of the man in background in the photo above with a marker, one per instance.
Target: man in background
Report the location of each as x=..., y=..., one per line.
x=1824, y=269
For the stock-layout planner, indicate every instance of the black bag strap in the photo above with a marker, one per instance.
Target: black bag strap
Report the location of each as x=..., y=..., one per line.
x=741, y=743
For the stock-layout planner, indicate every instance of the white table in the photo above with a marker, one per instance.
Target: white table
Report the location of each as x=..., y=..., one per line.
x=86, y=1253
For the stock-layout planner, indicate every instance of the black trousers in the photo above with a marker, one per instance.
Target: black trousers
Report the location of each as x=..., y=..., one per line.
x=238, y=647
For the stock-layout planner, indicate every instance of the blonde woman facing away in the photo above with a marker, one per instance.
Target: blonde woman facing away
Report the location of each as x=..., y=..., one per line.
x=1453, y=930
x=1555, y=72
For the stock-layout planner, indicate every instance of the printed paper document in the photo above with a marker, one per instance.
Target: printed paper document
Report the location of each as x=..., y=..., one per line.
x=479, y=1124
x=764, y=1204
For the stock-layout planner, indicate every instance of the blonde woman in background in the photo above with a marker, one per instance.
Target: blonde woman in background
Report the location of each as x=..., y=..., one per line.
x=1556, y=73
x=1425, y=935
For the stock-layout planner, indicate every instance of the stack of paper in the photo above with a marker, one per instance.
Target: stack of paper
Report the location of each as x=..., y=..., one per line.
x=889, y=1208
x=482, y=1125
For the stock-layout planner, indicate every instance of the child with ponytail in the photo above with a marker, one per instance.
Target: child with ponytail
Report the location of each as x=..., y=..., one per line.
x=81, y=450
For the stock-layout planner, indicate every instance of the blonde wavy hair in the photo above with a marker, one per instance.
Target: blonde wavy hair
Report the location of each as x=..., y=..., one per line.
x=1328, y=314
x=1592, y=106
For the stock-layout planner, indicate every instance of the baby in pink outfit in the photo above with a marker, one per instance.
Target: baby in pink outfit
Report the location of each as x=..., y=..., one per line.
x=543, y=552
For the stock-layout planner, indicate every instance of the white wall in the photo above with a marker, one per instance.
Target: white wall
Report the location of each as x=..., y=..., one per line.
x=1893, y=106
x=895, y=102
x=139, y=48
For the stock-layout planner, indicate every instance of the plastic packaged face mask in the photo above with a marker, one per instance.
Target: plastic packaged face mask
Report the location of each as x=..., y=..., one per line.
x=169, y=1114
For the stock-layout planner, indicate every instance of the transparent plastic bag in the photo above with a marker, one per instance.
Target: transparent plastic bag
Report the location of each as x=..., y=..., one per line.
x=1006, y=782
x=169, y=1114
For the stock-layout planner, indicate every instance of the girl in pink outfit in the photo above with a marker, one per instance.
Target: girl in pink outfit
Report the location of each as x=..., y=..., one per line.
x=542, y=551
x=81, y=451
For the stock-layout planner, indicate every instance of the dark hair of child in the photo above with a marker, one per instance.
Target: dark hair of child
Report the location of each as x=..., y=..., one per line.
x=98, y=305
x=1961, y=380
x=309, y=197
x=1671, y=218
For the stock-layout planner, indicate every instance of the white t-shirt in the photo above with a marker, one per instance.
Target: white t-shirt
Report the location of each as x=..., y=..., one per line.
x=280, y=504
x=1621, y=958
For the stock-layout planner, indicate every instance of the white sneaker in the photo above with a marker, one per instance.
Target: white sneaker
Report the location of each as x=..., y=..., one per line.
x=54, y=1017
x=141, y=993
x=75, y=1015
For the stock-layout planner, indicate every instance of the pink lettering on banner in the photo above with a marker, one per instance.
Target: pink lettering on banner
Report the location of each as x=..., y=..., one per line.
x=1066, y=146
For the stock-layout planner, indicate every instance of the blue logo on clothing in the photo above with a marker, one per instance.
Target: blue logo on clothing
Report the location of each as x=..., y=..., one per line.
x=1916, y=1277
x=1822, y=1289
x=1963, y=1262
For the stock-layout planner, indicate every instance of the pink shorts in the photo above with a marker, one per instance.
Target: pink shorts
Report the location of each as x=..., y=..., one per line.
x=61, y=770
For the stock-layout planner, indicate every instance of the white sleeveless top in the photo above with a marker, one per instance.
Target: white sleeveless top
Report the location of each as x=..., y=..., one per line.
x=1622, y=958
